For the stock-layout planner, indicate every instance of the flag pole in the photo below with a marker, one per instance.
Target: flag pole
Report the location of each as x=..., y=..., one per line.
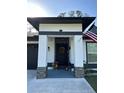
x=88, y=27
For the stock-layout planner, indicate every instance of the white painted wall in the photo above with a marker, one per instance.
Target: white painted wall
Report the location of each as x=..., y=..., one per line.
x=51, y=51
x=42, y=51
x=57, y=27
x=78, y=51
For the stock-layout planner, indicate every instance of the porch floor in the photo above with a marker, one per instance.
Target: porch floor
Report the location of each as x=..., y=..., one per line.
x=60, y=73
x=56, y=85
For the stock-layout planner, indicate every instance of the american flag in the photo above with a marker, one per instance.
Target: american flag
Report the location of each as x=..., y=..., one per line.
x=90, y=33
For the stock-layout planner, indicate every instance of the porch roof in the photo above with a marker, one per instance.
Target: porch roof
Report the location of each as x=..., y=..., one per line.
x=35, y=21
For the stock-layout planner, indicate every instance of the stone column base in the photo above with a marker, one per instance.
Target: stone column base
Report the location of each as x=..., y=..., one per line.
x=79, y=72
x=41, y=72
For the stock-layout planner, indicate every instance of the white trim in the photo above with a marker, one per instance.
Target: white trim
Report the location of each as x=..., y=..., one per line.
x=32, y=42
x=31, y=34
x=87, y=40
x=92, y=62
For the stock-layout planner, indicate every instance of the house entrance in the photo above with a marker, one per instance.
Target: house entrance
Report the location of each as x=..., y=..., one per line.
x=62, y=52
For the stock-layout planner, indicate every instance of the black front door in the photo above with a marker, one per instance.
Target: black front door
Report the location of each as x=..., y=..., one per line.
x=61, y=52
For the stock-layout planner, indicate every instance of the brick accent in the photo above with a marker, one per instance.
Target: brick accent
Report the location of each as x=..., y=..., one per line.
x=79, y=72
x=41, y=72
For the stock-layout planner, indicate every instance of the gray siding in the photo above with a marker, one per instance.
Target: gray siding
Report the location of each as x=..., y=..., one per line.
x=32, y=56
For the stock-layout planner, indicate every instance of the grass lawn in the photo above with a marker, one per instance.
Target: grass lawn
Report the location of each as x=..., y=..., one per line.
x=92, y=81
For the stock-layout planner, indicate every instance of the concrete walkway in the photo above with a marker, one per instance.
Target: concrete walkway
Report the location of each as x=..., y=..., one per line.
x=56, y=85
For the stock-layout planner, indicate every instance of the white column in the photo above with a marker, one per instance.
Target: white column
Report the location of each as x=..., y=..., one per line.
x=42, y=51
x=84, y=50
x=78, y=50
x=71, y=50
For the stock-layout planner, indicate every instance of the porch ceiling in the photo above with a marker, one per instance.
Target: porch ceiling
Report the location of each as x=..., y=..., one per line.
x=35, y=21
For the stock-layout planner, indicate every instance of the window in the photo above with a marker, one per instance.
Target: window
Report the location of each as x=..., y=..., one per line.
x=91, y=52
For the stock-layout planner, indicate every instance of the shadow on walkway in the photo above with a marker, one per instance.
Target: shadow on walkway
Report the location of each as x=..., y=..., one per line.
x=61, y=73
